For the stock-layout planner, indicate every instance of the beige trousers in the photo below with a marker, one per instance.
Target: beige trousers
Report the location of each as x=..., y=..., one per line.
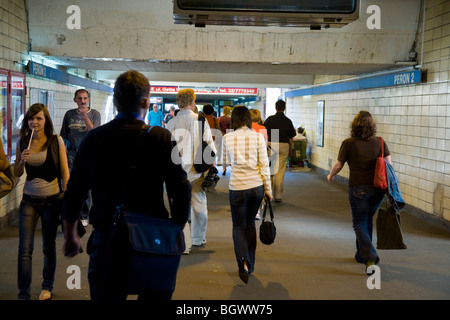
x=279, y=167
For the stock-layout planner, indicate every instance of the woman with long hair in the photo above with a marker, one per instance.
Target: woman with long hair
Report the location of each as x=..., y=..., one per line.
x=245, y=150
x=360, y=151
x=46, y=178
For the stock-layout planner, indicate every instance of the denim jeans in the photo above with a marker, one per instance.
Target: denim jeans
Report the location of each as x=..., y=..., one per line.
x=364, y=203
x=244, y=207
x=30, y=211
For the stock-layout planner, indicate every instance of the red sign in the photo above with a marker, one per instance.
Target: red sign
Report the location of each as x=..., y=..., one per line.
x=230, y=91
x=14, y=84
x=163, y=89
x=252, y=91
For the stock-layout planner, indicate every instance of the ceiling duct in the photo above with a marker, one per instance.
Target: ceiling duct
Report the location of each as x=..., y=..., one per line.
x=257, y=13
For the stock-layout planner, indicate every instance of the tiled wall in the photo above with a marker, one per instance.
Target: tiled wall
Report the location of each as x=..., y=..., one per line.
x=413, y=119
x=13, y=33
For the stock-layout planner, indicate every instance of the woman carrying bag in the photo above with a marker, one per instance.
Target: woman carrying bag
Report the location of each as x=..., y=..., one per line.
x=245, y=150
x=361, y=151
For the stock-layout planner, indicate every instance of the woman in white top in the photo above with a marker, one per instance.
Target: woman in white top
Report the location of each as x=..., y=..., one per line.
x=245, y=150
x=41, y=194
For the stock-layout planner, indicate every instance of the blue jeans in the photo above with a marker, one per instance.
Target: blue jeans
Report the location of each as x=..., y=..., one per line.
x=244, y=207
x=364, y=203
x=30, y=210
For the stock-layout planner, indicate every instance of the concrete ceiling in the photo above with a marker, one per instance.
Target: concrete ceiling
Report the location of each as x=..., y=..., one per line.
x=240, y=74
x=109, y=43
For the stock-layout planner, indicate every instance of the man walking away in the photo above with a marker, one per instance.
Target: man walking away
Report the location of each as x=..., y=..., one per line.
x=103, y=164
x=280, y=132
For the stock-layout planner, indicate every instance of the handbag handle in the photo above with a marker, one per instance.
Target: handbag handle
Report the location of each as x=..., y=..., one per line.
x=268, y=204
x=382, y=147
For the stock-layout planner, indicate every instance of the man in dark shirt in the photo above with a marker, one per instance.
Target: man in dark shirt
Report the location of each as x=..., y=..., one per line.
x=280, y=131
x=103, y=163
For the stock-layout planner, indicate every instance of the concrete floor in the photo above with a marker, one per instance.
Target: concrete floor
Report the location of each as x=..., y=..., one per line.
x=311, y=259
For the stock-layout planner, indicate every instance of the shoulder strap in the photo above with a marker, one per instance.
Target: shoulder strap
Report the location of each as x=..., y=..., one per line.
x=123, y=193
x=147, y=128
x=201, y=117
x=382, y=147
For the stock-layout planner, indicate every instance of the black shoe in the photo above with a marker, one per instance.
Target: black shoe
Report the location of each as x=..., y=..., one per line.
x=243, y=274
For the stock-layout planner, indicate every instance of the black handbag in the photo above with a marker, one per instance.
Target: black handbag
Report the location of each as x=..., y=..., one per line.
x=204, y=157
x=267, y=229
x=389, y=232
x=152, y=248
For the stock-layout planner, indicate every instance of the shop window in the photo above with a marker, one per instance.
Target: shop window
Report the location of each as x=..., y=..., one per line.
x=12, y=109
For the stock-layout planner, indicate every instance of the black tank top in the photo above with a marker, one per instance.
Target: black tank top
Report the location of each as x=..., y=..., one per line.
x=48, y=170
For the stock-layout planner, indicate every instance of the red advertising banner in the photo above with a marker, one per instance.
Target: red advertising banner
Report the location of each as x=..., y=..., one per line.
x=14, y=84
x=250, y=91
x=230, y=91
x=164, y=89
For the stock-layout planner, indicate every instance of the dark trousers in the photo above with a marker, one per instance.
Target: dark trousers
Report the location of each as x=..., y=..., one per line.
x=31, y=208
x=364, y=203
x=244, y=207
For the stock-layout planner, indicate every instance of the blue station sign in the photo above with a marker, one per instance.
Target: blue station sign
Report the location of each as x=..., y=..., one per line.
x=387, y=80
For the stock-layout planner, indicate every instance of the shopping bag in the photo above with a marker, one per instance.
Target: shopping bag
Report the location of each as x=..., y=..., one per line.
x=389, y=231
